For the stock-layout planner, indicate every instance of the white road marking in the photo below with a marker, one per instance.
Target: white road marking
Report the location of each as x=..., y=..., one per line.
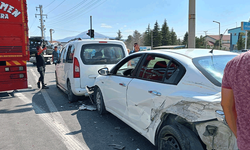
x=54, y=120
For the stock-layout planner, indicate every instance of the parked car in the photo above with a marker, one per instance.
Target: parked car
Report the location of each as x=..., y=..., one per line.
x=38, y=41
x=171, y=97
x=81, y=59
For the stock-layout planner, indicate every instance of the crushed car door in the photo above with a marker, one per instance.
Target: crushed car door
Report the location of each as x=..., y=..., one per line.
x=116, y=86
x=147, y=94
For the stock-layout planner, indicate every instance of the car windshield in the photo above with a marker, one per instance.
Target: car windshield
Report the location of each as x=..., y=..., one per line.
x=213, y=67
x=102, y=53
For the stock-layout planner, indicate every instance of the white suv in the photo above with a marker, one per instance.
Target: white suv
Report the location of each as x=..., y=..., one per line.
x=80, y=61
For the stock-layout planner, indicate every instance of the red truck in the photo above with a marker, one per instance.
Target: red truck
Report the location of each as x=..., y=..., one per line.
x=14, y=45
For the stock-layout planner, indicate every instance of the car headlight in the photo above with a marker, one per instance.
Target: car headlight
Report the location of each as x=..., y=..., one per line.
x=220, y=116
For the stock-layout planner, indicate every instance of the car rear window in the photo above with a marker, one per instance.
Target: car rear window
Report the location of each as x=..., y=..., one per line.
x=94, y=54
x=212, y=67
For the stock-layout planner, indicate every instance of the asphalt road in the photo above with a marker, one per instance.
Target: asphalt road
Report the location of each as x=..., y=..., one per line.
x=43, y=119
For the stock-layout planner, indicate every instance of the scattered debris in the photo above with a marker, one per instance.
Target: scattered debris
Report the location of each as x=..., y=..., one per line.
x=117, y=128
x=116, y=146
x=87, y=107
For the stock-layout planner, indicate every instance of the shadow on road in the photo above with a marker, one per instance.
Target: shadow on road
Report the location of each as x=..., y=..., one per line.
x=98, y=131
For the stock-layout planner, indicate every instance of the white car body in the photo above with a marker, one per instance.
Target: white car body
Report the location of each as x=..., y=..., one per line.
x=144, y=104
x=88, y=72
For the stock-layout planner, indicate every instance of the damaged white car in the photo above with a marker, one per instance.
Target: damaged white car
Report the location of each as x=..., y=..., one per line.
x=172, y=97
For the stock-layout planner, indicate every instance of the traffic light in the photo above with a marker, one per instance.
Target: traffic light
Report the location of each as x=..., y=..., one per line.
x=88, y=33
x=91, y=33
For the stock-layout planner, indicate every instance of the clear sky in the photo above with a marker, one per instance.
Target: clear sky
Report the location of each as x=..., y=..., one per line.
x=71, y=17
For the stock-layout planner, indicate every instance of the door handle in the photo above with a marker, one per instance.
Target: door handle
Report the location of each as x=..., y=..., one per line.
x=155, y=93
x=122, y=84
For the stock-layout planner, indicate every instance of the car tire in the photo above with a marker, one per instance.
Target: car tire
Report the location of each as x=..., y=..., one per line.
x=34, y=63
x=99, y=102
x=177, y=137
x=71, y=96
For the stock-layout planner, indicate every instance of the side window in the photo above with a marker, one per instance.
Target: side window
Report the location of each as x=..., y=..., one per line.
x=70, y=54
x=128, y=67
x=61, y=57
x=64, y=53
x=173, y=73
x=154, y=68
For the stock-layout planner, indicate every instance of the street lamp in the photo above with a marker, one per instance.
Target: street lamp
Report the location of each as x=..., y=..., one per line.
x=219, y=32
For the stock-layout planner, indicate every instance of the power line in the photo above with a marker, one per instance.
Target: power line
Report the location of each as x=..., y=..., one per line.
x=69, y=16
x=49, y=4
x=76, y=16
x=57, y=6
x=62, y=14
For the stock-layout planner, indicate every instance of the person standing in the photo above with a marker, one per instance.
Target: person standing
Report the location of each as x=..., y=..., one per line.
x=55, y=55
x=136, y=48
x=40, y=63
x=235, y=98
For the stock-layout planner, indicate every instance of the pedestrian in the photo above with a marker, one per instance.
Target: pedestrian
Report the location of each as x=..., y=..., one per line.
x=235, y=99
x=128, y=50
x=55, y=55
x=136, y=48
x=40, y=63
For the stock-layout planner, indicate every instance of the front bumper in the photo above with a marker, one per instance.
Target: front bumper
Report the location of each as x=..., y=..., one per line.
x=221, y=139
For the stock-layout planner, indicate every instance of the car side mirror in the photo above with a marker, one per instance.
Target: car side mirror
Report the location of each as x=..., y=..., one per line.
x=103, y=71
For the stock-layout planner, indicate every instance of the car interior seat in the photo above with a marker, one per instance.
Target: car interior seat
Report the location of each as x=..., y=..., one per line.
x=160, y=64
x=98, y=55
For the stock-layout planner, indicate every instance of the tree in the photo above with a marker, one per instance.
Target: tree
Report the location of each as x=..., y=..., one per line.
x=165, y=34
x=241, y=42
x=173, y=37
x=199, y=42
x=147, y=36
x=137, y=37
x=178, y=41
x=119, y=35
x=216, y=44
x=156, y=35
x=185, y=40
x=129, y=42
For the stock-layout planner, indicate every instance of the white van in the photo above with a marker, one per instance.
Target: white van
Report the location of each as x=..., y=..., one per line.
x=80, y=61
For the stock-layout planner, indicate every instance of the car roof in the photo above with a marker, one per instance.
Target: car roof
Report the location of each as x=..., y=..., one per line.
x=96, y=41
x=194, y=53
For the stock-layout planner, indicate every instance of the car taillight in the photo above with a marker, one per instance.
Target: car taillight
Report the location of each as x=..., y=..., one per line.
x=16, y=76
x=76, y=68
x=16, y=68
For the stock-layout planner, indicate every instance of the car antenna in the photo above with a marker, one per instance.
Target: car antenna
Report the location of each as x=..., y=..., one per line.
x=211, y=51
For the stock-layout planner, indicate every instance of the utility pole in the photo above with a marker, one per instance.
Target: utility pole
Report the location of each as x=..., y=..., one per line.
x=51, y=30
x=219, y=34
x=206, y=38
x=41, y=20
x=191, y=24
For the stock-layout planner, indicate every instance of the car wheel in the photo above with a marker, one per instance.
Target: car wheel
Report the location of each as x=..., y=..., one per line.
x=34, y=63
x=99, y=102
x=178, y=137
x=71, y=96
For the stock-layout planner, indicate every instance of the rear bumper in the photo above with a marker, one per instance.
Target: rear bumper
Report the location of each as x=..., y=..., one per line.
x=80, y=92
